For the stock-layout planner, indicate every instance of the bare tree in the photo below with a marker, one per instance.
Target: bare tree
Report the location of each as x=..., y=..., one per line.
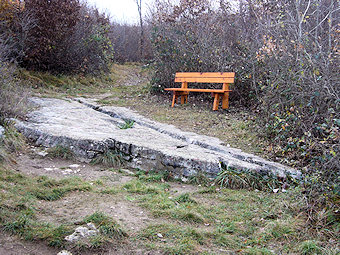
x=139, y=7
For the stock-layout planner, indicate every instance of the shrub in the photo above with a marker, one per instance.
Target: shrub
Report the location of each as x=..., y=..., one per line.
x=60, y=36
x=13, y=93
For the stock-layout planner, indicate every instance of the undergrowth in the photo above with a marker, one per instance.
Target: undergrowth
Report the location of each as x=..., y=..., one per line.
x=12, y=142
x=110, y=158
x=60, y=152
x=244, y=179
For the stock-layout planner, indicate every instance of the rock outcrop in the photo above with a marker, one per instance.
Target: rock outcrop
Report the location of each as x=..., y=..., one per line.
x=89, y=129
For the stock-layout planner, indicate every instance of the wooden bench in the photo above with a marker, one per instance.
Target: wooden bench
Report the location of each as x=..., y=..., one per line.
x=225, y=78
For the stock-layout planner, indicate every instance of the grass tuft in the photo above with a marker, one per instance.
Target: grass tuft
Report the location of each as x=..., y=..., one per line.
x=60, y=152
x=109, y=159
x=185, y=198
x=106, y=225
x=51, y=190
x=234, y=178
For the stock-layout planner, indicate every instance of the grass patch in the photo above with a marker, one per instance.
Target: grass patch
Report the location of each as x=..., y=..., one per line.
x=18, y=199
x=139, y=187
x=109, y=159
x=106, y=225
x=60, y=152
x=230, y=177
x=153, y=176
x=51, y=190
x=257, y=251
x=310, y=248
x=176, y=239
x=185, y=198
x=72, y=85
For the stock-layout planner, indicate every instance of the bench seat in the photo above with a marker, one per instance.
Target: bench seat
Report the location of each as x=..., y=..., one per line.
x=199, y=90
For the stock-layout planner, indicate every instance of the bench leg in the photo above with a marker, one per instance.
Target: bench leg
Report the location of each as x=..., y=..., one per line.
x=183, y=95
x=174, y=99
x=225, y=100
x=216, y=101
x=184, y=98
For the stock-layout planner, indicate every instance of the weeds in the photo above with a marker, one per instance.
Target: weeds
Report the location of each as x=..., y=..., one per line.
x=244, y=179
x=128, y=124
x=110, y=159
x=11, y=142
x=153, y=176
x=185, y=198
x=13, y=93
x=60, y=152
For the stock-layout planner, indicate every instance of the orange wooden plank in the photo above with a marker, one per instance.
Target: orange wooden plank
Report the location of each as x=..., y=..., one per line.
x=225, y=100
x=206, y=75
x=216, y=101
x=198, y=90
x=205, y=80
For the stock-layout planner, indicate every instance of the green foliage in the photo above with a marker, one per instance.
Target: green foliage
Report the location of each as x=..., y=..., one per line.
x=153, y=176
x=310, y=248
x=257, y=251
x=127, y=124
x=106, y=225
x=139, y=187
x=243, y=179
x=185, y=198
x=109, y=158
x=51, y=190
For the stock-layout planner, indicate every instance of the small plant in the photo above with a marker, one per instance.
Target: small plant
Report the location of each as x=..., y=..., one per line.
x=60, y=152
x=199, y=179
x=185, y=198
x=128, y=124
x=109, y=158
x=106, y=225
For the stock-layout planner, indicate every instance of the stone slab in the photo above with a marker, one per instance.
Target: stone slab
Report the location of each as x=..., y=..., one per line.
x=89, y=129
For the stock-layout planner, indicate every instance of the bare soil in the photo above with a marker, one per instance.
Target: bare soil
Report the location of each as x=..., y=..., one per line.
x=13, y=245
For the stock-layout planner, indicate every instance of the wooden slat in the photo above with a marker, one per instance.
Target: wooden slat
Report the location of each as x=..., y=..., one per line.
x=199, y=90
x=205, y=80
x=206, y=75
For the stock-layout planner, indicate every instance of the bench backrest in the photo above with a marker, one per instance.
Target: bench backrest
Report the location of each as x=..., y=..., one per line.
x=205, y=77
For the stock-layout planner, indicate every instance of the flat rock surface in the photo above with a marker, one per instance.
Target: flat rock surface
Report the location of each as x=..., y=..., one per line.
x=89, y=129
